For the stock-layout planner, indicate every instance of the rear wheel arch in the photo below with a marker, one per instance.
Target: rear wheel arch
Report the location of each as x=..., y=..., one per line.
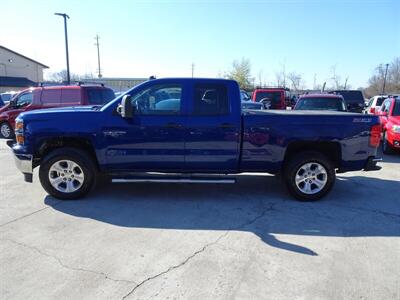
x=332, y=150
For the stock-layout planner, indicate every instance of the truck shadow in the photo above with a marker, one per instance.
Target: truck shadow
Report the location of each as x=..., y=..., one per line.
x=358, y=207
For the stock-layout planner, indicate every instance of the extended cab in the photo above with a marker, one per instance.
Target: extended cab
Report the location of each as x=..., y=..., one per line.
x=191, y=130
x=51, y=96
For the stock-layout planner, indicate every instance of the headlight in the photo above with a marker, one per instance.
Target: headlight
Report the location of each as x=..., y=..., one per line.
x=396, y=128
x=19, y=131
x=19, y=125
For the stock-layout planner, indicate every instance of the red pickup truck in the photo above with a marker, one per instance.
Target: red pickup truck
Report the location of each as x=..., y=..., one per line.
x=49, y=97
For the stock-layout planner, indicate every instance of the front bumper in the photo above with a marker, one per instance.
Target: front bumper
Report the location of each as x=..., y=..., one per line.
x=393, y=139
x=371, y=164
x=24, y=163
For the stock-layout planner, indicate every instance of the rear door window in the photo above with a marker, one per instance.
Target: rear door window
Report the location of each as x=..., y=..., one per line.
x=51, y=96
x=210, y=99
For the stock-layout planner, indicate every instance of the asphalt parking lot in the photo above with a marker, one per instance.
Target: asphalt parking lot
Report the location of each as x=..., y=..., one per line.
x=180, y=241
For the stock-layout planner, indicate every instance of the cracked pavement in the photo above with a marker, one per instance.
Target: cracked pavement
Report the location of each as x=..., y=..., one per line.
x=182, y=241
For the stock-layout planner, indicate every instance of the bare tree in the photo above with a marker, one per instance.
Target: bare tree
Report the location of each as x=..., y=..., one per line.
x=296, y=81
x=280, y=76
x=335, y=78
x=61, y=76
x=392, y=79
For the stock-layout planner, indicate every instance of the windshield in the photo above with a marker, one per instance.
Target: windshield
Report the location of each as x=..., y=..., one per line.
x=379, y=101
x=326, y=103
x=396, y=108
x=100, y=96
x=351, y=96
x=244, y=96
x=273, y=97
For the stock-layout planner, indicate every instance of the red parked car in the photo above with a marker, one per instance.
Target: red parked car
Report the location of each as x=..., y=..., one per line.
x=389, y=115
x=272, y=98
x=48, y=97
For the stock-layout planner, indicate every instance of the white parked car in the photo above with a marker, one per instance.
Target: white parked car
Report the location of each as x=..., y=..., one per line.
x=374, y=104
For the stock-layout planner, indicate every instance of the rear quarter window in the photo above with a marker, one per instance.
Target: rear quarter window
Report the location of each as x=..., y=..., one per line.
x=98, y=96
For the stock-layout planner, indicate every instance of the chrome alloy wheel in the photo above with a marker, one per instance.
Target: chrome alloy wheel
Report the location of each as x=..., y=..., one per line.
x=5, y=130
x=66, y=176
x=311, y=178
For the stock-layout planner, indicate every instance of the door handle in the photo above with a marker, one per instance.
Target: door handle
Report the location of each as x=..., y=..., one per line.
x=226, y=125
x=173, y=125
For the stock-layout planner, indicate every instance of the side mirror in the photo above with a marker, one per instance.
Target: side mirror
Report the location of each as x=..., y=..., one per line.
x=125, y=109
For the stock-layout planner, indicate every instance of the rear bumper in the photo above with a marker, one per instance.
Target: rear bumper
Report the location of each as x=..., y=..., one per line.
x=371, y=164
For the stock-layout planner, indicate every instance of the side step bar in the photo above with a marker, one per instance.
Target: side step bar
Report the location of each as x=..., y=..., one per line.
x=175, y=180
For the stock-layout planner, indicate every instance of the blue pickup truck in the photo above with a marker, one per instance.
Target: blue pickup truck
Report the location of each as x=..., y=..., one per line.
x=190, y=130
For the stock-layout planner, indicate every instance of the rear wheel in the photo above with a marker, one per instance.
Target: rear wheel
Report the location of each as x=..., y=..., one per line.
x=6, y=130
x=309, y=176
x=386, y=148
x=67, y=173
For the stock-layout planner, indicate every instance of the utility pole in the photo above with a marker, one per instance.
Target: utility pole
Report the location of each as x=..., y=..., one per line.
x=384, y=80
x=315, y=81
x=98, y=55
x=192, y=65
x=65, y=16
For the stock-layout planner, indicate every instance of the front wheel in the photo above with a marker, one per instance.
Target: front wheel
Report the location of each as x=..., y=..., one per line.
x=6, y=130
x=385, y=145
x=67, y=173
x=309, y=176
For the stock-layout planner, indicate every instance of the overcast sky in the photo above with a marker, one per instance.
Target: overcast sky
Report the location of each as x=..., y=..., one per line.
x=163, y=38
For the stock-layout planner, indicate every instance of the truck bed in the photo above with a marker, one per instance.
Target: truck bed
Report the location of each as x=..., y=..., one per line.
x=268, y=134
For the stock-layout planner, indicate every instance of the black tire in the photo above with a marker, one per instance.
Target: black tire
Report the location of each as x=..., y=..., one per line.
x=294, y=165
x=386, y=149
x=85, y=164
x=6, y=131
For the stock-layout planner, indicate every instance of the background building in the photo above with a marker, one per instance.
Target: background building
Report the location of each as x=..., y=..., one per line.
x=18, y=71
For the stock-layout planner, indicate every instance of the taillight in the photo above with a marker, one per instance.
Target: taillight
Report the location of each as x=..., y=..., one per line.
x=375, y=135
x=372, y=110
